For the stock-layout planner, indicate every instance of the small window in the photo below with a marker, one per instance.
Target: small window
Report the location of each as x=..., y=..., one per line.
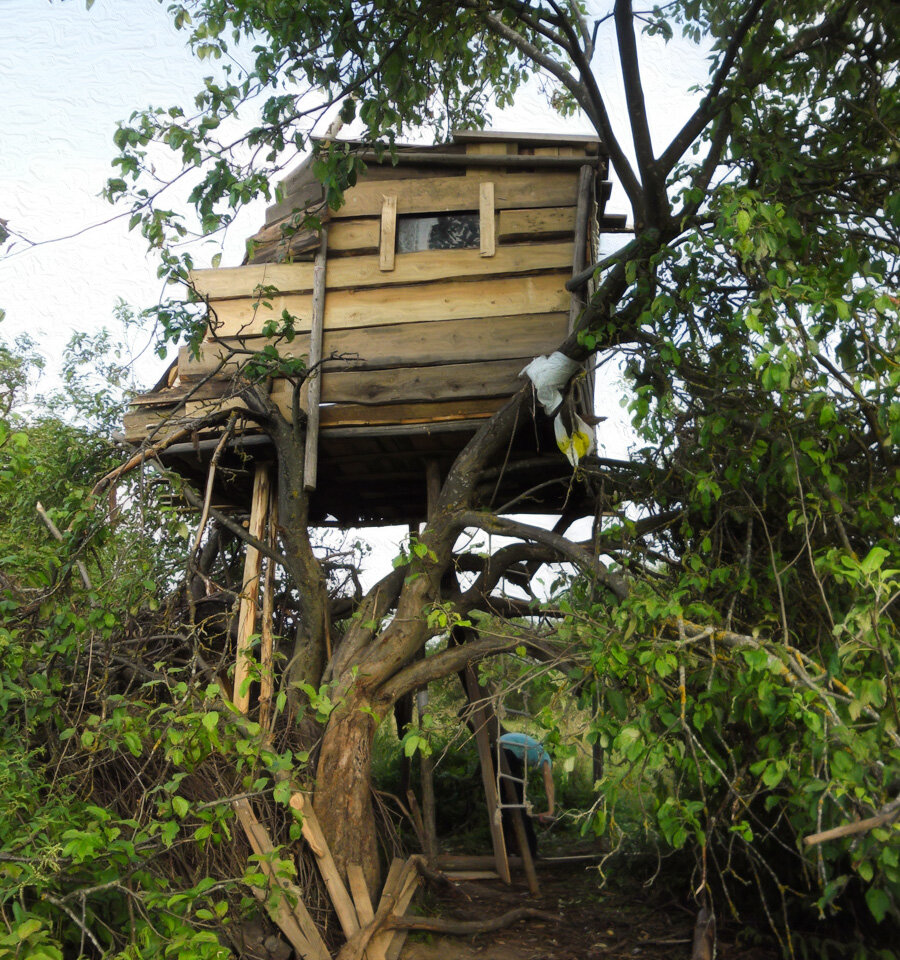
x=452, y=231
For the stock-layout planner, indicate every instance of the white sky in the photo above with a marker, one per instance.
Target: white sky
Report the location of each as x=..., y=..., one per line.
x=70, y=74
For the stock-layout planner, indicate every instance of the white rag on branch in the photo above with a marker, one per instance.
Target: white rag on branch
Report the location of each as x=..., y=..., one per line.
x=550, y=376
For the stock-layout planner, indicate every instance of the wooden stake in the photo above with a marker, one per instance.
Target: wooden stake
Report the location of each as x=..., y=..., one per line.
x=317, y=323
x=252, y=561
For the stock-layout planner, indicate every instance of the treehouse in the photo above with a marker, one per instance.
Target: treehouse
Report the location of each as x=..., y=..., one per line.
x=418, y=304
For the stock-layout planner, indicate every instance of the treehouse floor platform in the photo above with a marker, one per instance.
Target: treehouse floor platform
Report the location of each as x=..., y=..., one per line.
x=371, y=476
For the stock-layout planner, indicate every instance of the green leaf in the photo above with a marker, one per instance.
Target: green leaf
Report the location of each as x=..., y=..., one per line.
x=878, y=902
x=180, y=806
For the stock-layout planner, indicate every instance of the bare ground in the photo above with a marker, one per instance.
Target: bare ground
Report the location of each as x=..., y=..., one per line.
x=595, y=922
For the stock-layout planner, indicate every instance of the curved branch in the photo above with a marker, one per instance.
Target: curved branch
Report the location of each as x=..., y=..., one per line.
x=563, y=547
x=442, y=664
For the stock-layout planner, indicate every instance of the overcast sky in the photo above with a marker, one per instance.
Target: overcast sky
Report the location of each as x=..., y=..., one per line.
x=70, y=74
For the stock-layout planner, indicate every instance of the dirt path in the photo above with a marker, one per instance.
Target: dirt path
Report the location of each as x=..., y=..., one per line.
x=596, y=922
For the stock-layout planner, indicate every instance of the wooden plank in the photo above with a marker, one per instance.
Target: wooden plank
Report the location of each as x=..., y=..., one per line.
x=294, y=922
x=488, y=242
x=314, y=383
x=447, y=194
x=497, y=378
x=401, y=886
x=347, y=273
x=412, y=416
x=360, y=893
x=250, y=587
x=388, y=243
x=395, y=345
x=528, y=224
x=586, y=141
x=368, y=307
x=312, y=833
x=472, y=874
x=398, y=937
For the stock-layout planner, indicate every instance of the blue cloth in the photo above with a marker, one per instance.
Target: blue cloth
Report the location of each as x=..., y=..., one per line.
x=526, y=748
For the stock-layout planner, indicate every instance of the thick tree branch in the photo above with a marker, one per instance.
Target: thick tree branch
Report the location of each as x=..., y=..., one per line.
x=563, y=547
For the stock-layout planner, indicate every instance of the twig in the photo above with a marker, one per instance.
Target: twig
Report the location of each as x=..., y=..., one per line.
x=886, y=815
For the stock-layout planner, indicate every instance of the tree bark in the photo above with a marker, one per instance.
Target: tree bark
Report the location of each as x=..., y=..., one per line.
x=343, y=801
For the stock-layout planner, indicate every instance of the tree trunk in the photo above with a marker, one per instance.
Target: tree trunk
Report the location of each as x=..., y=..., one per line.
x=343, y=799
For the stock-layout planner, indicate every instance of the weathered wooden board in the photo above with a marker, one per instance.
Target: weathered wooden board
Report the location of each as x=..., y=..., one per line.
x=444, y=194
x=496, y=378
x=416, y=414
x=395, y=345
x=550, y=221
x=362, y=236
x=161, y=421
x=345, y=273
x=372, y=307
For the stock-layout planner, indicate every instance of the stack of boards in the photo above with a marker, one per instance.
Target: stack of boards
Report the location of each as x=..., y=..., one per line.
x=416, y=344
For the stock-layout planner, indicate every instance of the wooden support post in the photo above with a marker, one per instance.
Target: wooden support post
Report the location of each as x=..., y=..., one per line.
x=426, y=767
x=267, y=639
x=259, y=506
x=312, y=833
x=294, y=921
x=488, y=240
x=579, y=253
x=317, y=323
x=427, y=772
x=488, y=775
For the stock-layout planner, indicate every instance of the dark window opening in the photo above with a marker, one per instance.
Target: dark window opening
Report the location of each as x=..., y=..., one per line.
x=451, y=231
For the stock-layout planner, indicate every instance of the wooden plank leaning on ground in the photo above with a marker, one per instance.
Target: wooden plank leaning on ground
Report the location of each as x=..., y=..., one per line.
x=293, y=920
x=393, y=345
x=447, y=194
x=345, y=273
x=376, y=306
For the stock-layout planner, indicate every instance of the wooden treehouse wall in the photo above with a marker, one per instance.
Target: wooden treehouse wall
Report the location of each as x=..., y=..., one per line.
x=414, y=343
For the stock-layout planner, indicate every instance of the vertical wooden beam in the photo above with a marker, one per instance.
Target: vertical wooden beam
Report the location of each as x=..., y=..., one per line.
x=426, y=766
x=267, y=639
x=488, y=775
x=250, y=588
x=579, y=253
x=486, y=218
x=311, y=454
x=388, y=243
